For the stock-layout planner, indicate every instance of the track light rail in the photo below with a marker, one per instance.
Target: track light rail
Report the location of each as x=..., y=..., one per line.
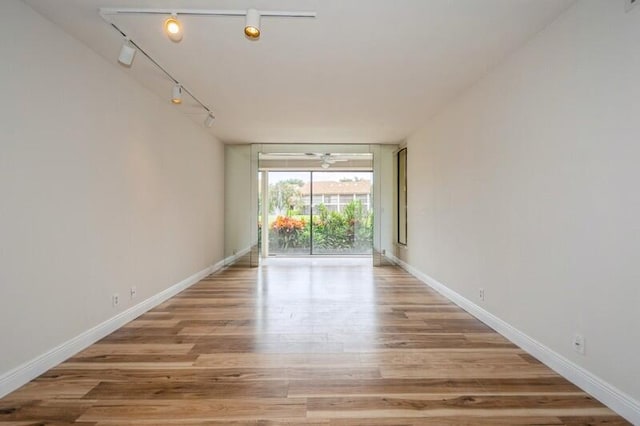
x=104, y=11
x=160, y=67
x=251, y=30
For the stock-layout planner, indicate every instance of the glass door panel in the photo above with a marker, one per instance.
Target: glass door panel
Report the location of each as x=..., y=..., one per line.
x=342, y=213
x=289, y=210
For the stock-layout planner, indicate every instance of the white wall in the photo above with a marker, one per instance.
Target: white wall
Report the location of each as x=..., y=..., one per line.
x=528, y=186
x=237, y=199
x=102, y=186
x=384, y=189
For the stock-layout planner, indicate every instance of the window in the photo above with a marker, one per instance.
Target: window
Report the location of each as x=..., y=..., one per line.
x=402, y=196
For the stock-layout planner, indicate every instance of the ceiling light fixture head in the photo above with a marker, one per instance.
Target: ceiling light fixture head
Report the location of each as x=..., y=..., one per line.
x=173, y=28
x=325, y=165
x=127, y=53
x=252, y=25
x=208, y=122
x=176, y=95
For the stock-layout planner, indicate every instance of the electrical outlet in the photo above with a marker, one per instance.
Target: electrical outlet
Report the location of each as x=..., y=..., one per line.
x=481, y=294
x=578, y=343
x=133, y=292
x=630, y=4
x=384, y=252
x=115, y=300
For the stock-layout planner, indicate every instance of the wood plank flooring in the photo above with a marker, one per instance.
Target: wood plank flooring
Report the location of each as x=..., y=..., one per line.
x=304, y=344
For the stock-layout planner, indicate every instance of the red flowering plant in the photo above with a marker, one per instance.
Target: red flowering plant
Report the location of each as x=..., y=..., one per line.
x=287, y=229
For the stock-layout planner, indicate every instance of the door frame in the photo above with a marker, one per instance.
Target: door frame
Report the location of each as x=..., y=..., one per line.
x=264, y=192
x=383, y=191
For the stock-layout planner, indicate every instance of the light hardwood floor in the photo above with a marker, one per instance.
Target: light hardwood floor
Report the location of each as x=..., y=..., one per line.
x=300, y=343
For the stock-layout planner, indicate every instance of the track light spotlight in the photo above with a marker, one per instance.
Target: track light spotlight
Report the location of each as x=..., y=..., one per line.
x=173, y=28
x=176, y=94
x=208, y=122
x=127, y=53
x=252, y=24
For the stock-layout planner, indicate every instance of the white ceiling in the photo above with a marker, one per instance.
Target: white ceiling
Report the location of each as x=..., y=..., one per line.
x=363, y=71
x=314, y=161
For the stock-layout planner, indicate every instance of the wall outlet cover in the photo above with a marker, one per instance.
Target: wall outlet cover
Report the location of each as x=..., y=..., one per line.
x=578, y=343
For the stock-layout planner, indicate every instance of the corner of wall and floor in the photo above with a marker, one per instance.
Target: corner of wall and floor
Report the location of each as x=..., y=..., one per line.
x=104, y=189
x=609, y=395
x=525, y=186
x=31, y=369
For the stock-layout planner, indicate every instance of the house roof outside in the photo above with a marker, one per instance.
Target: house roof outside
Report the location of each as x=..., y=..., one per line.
x=332, y=187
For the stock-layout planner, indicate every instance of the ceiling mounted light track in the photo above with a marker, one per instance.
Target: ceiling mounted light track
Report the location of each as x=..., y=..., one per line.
x=173, y=27
x=127, y=52
x=174, y=30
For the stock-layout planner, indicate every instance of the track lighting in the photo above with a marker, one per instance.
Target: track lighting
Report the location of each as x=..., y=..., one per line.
x=176, y=94
x=173, y=28
x=127, y=53
x=208, y=122
x=252, y=24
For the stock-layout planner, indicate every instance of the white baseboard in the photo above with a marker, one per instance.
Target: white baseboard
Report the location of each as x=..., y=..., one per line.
x=230, y=260
x=28, y=371
x=609, y=395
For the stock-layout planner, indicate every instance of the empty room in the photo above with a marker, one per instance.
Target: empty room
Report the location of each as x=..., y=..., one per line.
x=320, y=212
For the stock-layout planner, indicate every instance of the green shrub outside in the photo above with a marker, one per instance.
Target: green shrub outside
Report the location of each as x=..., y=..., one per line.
x=351, y=229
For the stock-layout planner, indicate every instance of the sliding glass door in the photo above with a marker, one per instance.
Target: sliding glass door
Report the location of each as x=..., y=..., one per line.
x=289, y=219
x=342, y=213
x=328, y=213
